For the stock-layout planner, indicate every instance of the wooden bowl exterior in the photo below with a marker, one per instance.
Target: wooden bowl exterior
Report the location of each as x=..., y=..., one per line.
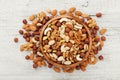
x=61, y=65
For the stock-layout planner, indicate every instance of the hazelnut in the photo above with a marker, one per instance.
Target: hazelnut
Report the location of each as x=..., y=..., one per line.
x=103, y=38
x=58, y=53
x=99, y=14
x=15, y=40
x=67, y=30
x=21, y=32
x=69, y=44
x=101, y=57
x=35, y=65
x=24, y=21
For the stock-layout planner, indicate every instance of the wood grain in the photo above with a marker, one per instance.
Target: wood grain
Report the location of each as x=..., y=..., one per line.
x=12, y=63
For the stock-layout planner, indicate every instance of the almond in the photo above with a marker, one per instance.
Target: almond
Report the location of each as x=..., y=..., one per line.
x=101, y=43
x=62, y=12
x=85, y=15
x=69, y=14
x=71, y=34
x=33, y=28
x=56, y=69
x=78, y=13
x=54, y=12
x=32, y=17
x=72, y=9
x=102, y=31
x=39, y=63
x=31, y=56
x=37, y=59
x=70, y=70
x=43, y=63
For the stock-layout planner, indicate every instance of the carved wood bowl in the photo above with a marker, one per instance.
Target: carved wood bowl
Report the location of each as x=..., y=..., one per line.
x=58, y=64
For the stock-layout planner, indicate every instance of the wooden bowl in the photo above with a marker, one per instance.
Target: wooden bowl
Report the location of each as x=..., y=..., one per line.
x=62, y=65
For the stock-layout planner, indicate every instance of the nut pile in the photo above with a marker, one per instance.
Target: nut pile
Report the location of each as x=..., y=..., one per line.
x=64, y=41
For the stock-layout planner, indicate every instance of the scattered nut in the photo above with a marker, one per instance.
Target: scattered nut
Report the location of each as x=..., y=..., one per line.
x=62, y=12
x=78, y=13
x=100, y=57
x=99, y=14
x=32, y=17
x=65, y=41
x=72, y=9
x=15, y=40
x=56, y=69
x=102, y=31
x=54, y=12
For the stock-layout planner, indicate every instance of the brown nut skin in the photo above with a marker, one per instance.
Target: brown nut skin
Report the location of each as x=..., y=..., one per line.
x=103, y=38
x=24, y=21
x=58, y=24
x=72, y=9
x=54, y=12
x=97, y=39
x=21, y=32
x=69, y=44
x=96, y=27
x=102, y=31
x=99, y=14
x=62, y=12
x=35, y=65
x=101, y=57
x=50, y=65
x=28, y=39
x=78, y=13
x=27, y=57
x=15, y=40
x=77, y=67
x=56, y=69
x=70, y=26
x=59, y=53
x=67, y=30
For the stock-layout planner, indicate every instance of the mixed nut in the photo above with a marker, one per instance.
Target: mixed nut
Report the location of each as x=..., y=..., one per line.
x=64, y=41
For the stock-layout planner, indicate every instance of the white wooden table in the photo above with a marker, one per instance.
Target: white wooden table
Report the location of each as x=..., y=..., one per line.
x=13, y=66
